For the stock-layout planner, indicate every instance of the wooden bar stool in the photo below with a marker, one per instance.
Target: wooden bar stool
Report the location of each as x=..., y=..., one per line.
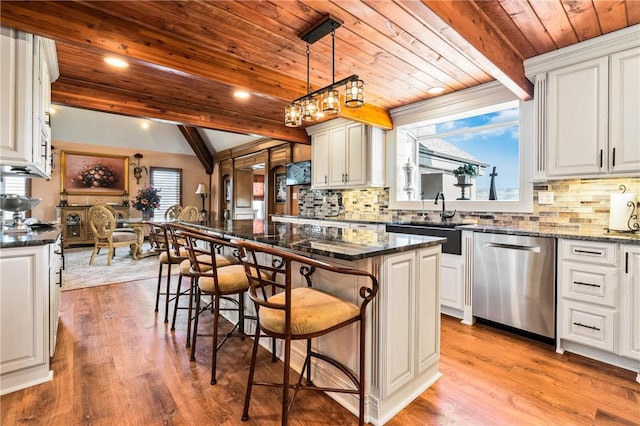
x=186, y=272
x=301, y=313
x=169, y=255
x=219, y=282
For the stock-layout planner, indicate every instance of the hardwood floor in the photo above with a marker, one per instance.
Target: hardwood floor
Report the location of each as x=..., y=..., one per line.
x=117, y=363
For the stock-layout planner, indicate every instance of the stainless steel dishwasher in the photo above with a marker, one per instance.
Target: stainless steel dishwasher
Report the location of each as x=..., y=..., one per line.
x=514, y=282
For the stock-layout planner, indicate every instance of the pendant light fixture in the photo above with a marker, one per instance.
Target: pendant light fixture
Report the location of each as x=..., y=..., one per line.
x=325, y=101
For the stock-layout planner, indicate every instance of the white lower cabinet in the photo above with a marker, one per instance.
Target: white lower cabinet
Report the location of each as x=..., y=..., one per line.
x=29, y=300
x=599, y=303
x=452, y=284
x=630, y=303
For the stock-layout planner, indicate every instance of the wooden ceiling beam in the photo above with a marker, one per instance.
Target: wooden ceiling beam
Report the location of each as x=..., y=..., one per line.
x=502, y=62
x=105, y=99
x=198, y=146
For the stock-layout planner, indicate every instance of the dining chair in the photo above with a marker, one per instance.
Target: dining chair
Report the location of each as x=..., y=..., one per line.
x=223, y=283
x=169, y=255
x=173, y=212
x=302, y=312
x=189, y=214
x=103, y=226
x=186, y=272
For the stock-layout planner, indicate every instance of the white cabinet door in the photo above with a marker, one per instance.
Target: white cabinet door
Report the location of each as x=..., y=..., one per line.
x=624, y=112
x=630, y=303
x=16, y=73
x=356, y=155
x=337, y=160
x=578, y=119
x=320, y=157
x=452, y=281
x=398, y=296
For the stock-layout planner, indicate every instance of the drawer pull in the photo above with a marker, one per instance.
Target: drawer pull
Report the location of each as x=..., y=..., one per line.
x=589, y=284
x=597, y=253
x=586, y=326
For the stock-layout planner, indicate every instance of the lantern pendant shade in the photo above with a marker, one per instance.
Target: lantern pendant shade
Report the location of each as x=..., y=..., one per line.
x=309, y=109
x=293, y=115
x=330, y=102
x=354, y=93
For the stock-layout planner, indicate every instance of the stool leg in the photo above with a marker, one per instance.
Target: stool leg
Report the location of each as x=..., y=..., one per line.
x=285, y=381
x=241, y=313
x=309, y=382
x=192, y=283
x=158, y=288
x=166, y=296
x=194, y=336
x=252, y=369
x=214, y=350
x=175, y=303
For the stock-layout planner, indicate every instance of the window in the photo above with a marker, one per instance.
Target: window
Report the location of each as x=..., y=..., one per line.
x=18, y=185
x=169, y=181
x=484, y=127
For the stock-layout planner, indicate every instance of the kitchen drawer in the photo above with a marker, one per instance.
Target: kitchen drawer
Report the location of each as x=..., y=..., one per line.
x=589, y=283
x=588, y=324
x=334, y=224
x=588, y=251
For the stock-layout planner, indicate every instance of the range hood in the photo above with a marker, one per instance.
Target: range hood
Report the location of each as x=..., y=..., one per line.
x=26, y=171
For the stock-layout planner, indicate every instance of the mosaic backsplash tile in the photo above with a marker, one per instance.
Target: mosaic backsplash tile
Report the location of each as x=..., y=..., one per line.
x=580, y=204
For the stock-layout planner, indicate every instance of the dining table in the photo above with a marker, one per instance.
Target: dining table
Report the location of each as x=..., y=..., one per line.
x=138, y=224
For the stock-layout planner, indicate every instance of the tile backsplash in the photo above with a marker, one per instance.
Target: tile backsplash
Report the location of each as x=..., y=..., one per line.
x=578, y=203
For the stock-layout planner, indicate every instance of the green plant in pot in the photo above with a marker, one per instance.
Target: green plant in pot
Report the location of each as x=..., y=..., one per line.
x=464, y=173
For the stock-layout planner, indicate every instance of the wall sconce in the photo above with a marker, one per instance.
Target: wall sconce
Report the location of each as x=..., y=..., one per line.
x=202, y=191
x=137, y=169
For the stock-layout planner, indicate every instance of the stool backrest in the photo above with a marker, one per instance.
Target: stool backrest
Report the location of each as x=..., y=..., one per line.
x=272, y=270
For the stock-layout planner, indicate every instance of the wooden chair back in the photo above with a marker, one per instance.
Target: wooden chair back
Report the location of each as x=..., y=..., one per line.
x=173, y=212
x=189, y=214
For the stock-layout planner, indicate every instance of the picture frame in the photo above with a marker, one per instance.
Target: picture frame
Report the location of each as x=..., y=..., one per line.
x=83, y=173
x=280, y=188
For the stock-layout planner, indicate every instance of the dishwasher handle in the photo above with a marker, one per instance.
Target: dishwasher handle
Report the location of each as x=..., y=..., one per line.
x=534, y=249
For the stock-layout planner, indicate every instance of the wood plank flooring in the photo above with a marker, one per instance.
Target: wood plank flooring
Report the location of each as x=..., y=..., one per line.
x=117, y=363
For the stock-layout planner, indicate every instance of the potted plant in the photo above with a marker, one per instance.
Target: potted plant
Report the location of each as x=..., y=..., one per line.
x=464, y=173
x=146, y=200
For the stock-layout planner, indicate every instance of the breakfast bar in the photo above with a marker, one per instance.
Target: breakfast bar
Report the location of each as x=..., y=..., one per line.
x=403, y=323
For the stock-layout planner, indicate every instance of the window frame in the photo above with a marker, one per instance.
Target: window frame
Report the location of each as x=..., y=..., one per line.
x=152, y=169
x=474, y=98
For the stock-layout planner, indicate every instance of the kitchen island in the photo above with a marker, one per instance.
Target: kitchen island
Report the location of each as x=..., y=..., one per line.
x=403, y=322
x=30, y=279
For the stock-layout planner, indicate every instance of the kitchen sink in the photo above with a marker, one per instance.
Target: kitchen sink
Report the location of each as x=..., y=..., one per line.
x=433, y=229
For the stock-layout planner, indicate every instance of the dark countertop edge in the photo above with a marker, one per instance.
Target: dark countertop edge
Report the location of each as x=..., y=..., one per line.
x=426, y=241
x=555, y=233
x=32, y=239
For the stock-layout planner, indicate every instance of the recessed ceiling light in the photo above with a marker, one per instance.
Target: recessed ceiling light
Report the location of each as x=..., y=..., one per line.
x=116, y=62
x=240, y=94
x=435, y=90
x=144, y=125
x=52, y=110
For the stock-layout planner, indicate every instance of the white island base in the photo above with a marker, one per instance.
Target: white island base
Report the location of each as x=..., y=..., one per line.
x=403, y=338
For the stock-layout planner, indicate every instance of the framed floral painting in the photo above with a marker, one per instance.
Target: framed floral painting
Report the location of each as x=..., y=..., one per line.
x=94, y=174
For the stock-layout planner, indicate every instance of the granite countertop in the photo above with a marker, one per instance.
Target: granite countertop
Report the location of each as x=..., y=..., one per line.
x=30, y=238
x=346, y=244
x=602, y=235
x=560, y=231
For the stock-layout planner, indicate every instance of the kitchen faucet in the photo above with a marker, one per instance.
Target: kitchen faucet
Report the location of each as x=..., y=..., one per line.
x=443, y=216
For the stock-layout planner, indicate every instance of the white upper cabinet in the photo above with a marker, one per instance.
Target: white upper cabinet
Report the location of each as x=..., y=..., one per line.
x=624, y=110
x=27, y=67
x=577, y=119
x=587, y=103
x=346, y=155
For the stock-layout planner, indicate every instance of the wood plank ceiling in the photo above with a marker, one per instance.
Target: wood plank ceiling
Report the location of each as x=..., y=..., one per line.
x=186, y=58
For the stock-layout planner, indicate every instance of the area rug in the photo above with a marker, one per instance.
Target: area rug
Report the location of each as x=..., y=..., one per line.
x=78, y=274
